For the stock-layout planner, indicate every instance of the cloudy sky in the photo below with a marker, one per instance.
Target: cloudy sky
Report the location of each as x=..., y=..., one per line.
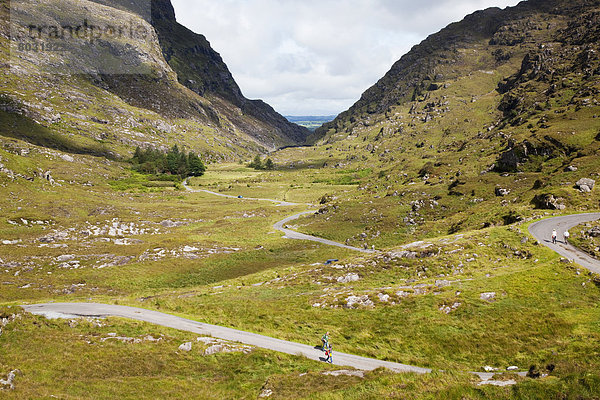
x=316, y=57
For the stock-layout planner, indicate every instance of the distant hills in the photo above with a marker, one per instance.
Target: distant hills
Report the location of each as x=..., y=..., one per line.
x=310, y=122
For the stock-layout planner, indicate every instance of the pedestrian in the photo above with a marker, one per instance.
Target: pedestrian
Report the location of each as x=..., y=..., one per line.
x=554, y=235
x=566, y=236
x=325, y=341
x=329, y=355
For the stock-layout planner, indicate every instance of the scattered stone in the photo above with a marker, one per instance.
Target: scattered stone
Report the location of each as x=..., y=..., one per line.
x=572, y=168
x=488, y=296
x=171, y=224
x=594, y=232
x=190, y=249
x=512, y=368
x=524, y=240
x=266, y=393
x=384, y=298
x=448, y=309
x=186, y=346
x=354, y=301
x=442, y=283
x=352, y=277
x=487, y=368
x=67, y=158
x=11, y=242
x=222, y=346
x=9, y=380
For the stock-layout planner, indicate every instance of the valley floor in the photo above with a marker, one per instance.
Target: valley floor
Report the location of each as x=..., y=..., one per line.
x=221, y=261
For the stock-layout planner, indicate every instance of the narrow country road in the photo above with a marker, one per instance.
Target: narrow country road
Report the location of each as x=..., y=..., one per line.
x=281, y=225
x=542, y=231
x=71, y=310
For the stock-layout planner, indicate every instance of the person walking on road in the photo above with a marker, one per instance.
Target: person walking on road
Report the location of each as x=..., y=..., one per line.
x=325, y=341
x=566, y=237
x=554, y=235
x=329, y=354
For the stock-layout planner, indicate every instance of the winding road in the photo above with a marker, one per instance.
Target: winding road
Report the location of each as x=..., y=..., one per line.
x=281, y=225
x=541, y=230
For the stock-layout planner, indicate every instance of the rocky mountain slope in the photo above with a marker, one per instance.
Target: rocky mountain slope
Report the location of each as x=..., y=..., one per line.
x=93, y=98
x=481, y=124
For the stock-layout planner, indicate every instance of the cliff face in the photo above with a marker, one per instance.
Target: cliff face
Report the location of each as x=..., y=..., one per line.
x=167, y=87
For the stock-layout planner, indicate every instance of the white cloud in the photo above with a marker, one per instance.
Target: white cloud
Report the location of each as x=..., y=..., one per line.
x=316, y=57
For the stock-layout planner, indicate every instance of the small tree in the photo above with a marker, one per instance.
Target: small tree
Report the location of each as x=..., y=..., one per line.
x=269, y=164
x=195, y=165
x=256, y=163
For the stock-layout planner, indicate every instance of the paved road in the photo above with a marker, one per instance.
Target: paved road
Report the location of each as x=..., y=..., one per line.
x=281, y=225
x=542, y=231
x=71, y=310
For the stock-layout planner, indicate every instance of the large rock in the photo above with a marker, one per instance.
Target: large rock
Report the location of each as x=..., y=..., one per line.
x=186, y=346
x=500, y=192
x=548, y=202
x=585, y=185
x=594, y=232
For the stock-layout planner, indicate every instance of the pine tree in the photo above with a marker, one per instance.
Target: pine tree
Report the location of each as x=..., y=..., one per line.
x=269, y=164
x=257, y=163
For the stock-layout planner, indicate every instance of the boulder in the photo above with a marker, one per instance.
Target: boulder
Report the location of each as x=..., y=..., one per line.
x=594, y=232
x=548, y=202
x=186, y=346
x=500, y=192
x=585, y=185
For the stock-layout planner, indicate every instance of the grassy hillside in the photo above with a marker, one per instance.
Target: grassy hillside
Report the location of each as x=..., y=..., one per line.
x=443, y=175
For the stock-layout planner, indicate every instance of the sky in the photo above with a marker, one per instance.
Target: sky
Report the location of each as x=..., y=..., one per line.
x=316, y=57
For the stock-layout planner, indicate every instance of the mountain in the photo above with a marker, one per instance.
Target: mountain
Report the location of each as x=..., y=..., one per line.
x=540, y=33
x=483, y=123
x=120, y=89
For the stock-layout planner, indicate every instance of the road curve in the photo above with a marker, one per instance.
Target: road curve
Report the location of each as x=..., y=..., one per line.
x=281, y=225
x=542, y=231
x=71, y=310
